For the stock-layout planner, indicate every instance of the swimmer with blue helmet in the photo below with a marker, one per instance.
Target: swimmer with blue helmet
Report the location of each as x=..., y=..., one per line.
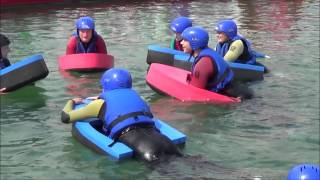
x=232, y=46
x=209, y=70
x=86, y=39
x=4, y=61
x=177, y=26
x=126, y=117
x=4, y=45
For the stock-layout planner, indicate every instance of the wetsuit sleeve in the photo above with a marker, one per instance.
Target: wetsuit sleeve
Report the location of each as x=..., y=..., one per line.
x=235, y=50
x=89, y=111
x=172, y=43
x=72, y=45
x=202, y=73
x=101, y=45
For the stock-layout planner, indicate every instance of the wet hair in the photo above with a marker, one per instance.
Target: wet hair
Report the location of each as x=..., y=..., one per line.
x=4, y=41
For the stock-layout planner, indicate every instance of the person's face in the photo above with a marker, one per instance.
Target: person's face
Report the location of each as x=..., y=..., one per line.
x=85, y=35
x=222, y=37
x=186, y=46
x=5, y=51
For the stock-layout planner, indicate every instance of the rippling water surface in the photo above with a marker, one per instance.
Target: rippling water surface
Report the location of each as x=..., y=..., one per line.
x=258, y=139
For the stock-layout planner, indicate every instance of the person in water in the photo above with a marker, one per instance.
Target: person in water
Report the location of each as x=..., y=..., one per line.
x=4, y=61
x=86, y=39
x=4, y=44
x=177, y=26
x=232, y=46
x=126, y=117
x=209, y=70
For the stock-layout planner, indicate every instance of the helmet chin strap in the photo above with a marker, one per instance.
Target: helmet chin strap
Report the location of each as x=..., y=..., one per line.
x=195, y=53
x=191, y=55
x=192, y=52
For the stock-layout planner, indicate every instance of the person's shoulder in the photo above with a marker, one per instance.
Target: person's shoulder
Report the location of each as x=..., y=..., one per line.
x=237, y=42
x=101, y=44
x=71, y=45
x=72, y=39
x=99, y=37
x=206, y=60
x=98, y=101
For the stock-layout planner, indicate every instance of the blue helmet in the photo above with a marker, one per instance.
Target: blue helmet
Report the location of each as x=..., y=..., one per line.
x=228, y=27
x=179, y=24
x=116, y=78
x=85, y=23
x=197, y=37
x=304, y=172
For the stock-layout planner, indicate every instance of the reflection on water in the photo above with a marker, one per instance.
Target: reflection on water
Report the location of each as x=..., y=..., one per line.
x=260, y=138
x=30, y=98
x=273, y=16
x=81, y=84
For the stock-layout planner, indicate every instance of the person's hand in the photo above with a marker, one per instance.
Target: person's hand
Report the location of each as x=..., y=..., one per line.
x=2, y=90
x=188, y=79
x=77, y=100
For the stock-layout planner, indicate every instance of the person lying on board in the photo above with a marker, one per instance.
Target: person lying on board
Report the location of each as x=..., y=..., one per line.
x=177, y=26
x=4, y=61
x=86, y=39
x=126, y=117
x=209, y=70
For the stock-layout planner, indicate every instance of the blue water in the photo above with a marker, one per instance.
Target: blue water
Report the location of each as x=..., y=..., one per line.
x=261, y=138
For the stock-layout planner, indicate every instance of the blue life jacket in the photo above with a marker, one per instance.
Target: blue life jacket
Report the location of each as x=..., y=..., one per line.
x=247, y=57
x=90, y=48
x=124, y=108
x=223, y=75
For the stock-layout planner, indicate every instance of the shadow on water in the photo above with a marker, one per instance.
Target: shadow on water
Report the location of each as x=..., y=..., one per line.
x=168, y=167
x=27, y=98
x=166, y=107
x=81, y=84
x=193, y=167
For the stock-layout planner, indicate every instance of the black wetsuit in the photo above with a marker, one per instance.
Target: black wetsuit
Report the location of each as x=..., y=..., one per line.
x=146, y=141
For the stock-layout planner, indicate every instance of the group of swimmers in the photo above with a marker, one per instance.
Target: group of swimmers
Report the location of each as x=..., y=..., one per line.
x=134, y=125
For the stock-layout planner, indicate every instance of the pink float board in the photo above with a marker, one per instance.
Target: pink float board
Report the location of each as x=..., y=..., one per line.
x=86, y=61
x=172, y=81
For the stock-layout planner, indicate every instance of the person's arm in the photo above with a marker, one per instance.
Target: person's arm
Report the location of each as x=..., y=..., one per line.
x=202, y=72
x=72, y=45
x=91, y=110
x=235, y=50
x=101, y=45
